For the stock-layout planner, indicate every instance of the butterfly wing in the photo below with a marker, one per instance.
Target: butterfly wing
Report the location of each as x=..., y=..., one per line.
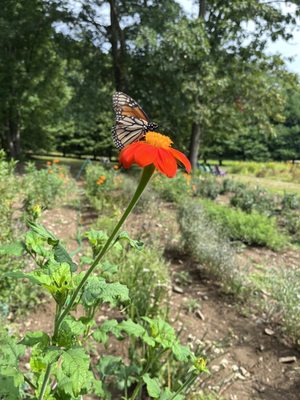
x=128, y=129
x=124, y=106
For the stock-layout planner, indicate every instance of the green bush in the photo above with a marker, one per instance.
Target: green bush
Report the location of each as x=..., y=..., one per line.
x=43, y=187
x=172, y=189
x=291, y=222
x=146, y=275
x=283, y=287
x=250, y=200
x=98, y=179
x=231, y=186
x=205, y=242
x=207, y=186
x=252, y=229
x=14, y=297
x=290, y=201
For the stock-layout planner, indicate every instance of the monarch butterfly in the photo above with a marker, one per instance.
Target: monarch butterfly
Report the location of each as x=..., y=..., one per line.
x=131, y=121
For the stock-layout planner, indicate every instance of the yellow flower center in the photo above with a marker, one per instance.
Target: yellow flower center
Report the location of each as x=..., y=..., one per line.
x=158, y=140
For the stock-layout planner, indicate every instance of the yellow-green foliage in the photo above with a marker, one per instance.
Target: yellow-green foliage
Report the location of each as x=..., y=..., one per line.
x=284, y=171
x=252, y=229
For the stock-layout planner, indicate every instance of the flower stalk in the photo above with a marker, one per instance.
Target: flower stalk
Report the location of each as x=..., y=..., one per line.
x=146, y=175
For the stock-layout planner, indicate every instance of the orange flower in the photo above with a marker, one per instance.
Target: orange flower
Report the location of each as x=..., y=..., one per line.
x=49, y=163
x=116, y=167
x=156, y=150
x=101, y=180
x=62, y=175
x=56, y=161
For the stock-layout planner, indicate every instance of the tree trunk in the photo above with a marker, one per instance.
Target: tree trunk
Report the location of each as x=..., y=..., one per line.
x=13, y=136
x=118, y=48
x=196, y=128
x=195, y=144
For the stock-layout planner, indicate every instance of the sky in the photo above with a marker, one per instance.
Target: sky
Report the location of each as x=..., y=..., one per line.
x=282, y=47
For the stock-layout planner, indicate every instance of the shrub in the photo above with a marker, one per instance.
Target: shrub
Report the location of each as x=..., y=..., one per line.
x=291, y=222
x=146, y=275
x=290, y=201
x=253, y=200
x=42, y=187
x=207, y=186
x=283, y=287
x=252, y=229
x=231, y=186
x=172, y=189
x=205, y=242
x=98, y=179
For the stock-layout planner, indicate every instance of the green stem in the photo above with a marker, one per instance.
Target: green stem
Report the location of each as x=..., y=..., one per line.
x=45, y=382
x=29, y=382
x=186, y=384
x=146, y=175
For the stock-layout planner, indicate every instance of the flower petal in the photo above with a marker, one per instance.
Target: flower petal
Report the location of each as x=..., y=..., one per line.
x=145, y=154
x=166, y=163
x=182, y=158
x=126, y=157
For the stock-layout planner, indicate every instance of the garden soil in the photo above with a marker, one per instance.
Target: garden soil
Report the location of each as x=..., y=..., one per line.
x=249, y=359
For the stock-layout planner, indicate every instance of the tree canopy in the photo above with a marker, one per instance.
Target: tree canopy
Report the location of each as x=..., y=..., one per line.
x=207, y=80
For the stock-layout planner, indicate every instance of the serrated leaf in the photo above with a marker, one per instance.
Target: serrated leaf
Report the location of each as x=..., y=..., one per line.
x=99, y=291
x=74, y=374
x=136, y=244
x=108, y=365
x=10, y=383
x=12, y=249
x=109, y=326
x=181, y=353
x=162, y=332
x=10, y=378
x=32, y=338
x=136, y=330
x=153, y=387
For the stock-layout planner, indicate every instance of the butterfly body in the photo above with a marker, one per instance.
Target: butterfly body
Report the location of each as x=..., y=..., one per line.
x=132, y=123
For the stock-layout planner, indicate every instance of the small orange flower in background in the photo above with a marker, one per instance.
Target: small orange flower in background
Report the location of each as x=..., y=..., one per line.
x=188, y=178
x=62, y=175
x=156, y=150
x=101, y=180
x=116, y=167
x=49, y=163
x=56, y=161
x=50, y=171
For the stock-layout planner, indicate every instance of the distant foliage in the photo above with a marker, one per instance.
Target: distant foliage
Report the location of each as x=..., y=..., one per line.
x=43, y=186
x=253, y=229
x=206, y=243
x=256, y=199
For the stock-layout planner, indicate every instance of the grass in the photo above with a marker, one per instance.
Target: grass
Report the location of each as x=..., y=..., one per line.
x=273, y=186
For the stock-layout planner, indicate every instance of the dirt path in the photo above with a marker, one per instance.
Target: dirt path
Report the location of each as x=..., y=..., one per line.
x=245, y=360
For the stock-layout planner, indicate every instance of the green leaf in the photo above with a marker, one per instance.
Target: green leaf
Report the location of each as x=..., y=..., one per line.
x=153, y=387
x=32, y=338
x=162, y=332
x=136, y=244
x=74, y=374
x=10, y=377
x=12, y=249
x=10, y=383
x=136, y=330
x=109, y=365
x=99, y=291
x=109, y=326
x=167, y=395
x=61, y=256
